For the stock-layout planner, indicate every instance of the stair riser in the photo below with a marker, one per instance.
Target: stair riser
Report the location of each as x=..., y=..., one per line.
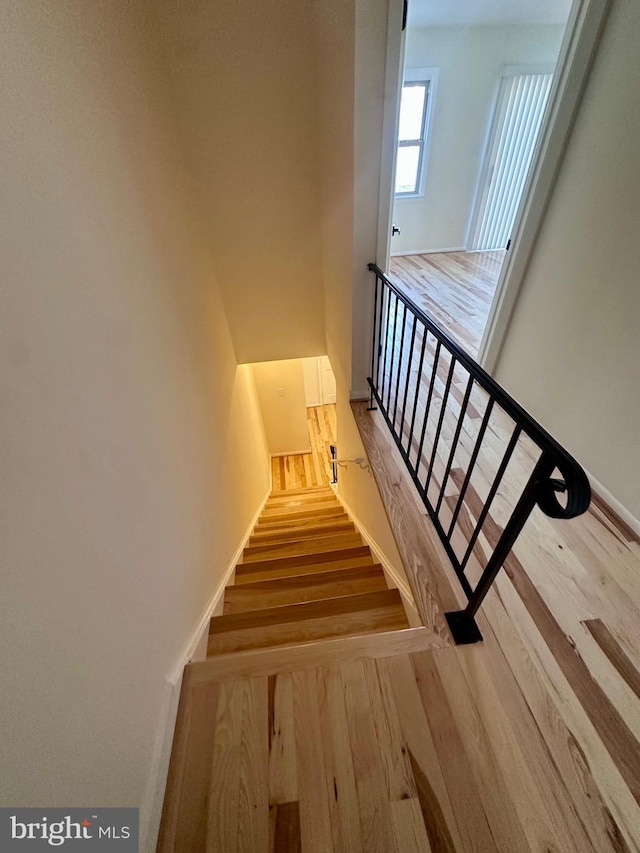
x=364, y=622
x=297, y=535
x=296, y=549
x=309, y=520
x=298, y=506
x=274, y=572
x=288, y=493
x=257, y=599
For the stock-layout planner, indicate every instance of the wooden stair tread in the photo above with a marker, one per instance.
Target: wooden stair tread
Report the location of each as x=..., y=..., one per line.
x=303, y=521
x=311, y=490
x=283, y=507
x=301, y=588
x=316, y=545
x=296, y=513
x=255, y=663
x=289, y=534
x=301, y=498
x=303, y=564
x=354, y=614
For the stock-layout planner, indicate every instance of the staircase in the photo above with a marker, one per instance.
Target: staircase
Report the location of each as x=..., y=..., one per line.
x=307, y=593
x=306, y=576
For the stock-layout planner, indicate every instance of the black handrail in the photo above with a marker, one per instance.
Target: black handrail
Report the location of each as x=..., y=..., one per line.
x=387, y=380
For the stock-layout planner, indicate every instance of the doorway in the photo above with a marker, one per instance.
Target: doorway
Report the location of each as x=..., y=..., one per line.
x=483, y=160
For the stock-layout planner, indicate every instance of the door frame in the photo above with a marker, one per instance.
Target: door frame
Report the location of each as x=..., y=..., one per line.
x=579, y=46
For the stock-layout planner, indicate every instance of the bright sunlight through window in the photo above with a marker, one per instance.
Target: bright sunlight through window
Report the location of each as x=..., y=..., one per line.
x=411, y=137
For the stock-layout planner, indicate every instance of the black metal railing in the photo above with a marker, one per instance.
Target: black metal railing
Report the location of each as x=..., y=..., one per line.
x=479, y=461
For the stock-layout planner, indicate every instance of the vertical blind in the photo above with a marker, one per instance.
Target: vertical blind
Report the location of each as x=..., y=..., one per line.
x=521, y=103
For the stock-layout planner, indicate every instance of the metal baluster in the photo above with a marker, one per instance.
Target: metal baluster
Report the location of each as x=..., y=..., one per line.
x=462, y=622
x=374, y=348
x=436, y=359
x=445, y=397
x=492, y=493
x=456, y=437
x=386, y=338
x=408, y=379
x=417, y=394
x=400, y=357
x=393, y=353
x=472, y=462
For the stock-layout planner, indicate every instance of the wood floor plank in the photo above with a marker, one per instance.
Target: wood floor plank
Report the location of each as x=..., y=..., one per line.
x=395, y=762
x=283, y=773
x=410, y=831
x=497, y=799
x=315, y=814
x=184, y=820
x=253, y=809
x=560, y=739
x=340, y=774
x=224, y=795
x=435, y=804
x=612, y=649
x=375, y=810
x=458, y=775
x=287, y=836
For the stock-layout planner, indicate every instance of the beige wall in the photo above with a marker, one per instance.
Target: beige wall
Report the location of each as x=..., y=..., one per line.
x=131, y=453
x=469, y=61
x=246, y=82
x=351, y=43
x=572, y=352
x=280, y=389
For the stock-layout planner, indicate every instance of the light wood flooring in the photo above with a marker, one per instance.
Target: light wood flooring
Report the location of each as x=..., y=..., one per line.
x=305, y=470
x=455, y=288
x=529, y=741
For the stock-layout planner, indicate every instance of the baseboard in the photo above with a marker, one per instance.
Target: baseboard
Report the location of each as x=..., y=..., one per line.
x=151, y=806
x=358, y=396
x=429, y=251
x=617, y=509
x=389, y=569
x=291, y=453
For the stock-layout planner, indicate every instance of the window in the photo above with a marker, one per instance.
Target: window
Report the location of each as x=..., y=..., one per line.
x=413, y=131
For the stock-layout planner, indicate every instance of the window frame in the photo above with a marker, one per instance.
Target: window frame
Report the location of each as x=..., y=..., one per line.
x=427, y=77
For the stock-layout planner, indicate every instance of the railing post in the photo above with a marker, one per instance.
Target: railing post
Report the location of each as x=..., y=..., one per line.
x=462, y=622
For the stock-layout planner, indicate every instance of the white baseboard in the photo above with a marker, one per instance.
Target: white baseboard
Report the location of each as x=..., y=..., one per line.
x=195, y=649
x=429, y=251
x=358, y=396
x=630, y=520
x=389, y=569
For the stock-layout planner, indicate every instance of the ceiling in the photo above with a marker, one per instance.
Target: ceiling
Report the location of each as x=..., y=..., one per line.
x=438, y=13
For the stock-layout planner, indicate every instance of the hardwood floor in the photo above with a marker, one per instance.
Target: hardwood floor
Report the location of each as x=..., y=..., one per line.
x=555, y=686
x=304, y=470
x=529, y=741
x=455, y=288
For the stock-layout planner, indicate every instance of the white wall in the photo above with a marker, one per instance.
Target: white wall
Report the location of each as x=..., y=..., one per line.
x=246, y=83
x=572, y=351
x=131, y=454
x=281, y=393
x=469, y=59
